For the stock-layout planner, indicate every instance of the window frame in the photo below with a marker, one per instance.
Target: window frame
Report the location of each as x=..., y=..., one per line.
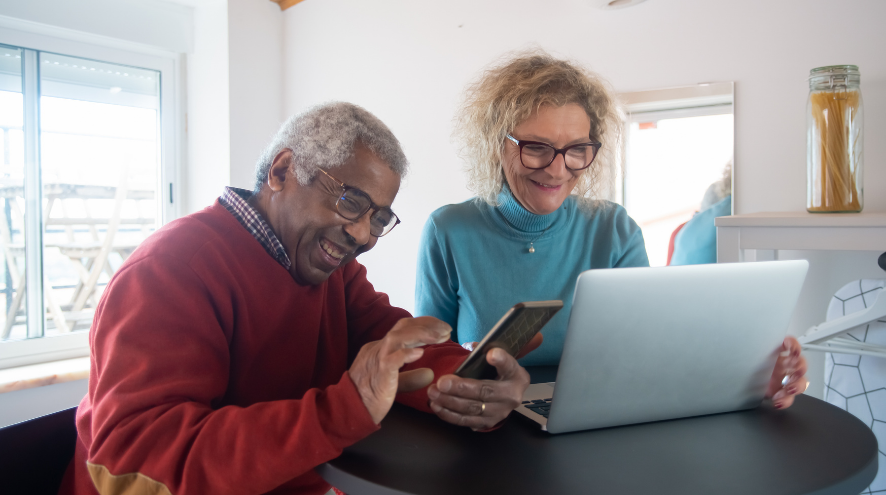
x=700, y=100
x=717, y=98
x=674, y=113
x=41, y=38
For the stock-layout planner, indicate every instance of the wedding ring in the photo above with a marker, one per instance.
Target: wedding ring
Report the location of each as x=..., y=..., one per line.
x=482, y=408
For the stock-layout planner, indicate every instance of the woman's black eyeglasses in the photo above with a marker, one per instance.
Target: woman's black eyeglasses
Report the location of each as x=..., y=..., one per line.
x=353, y=203
x=536, y=155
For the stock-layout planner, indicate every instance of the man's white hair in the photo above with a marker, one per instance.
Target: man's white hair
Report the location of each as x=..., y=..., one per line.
x=325, y=136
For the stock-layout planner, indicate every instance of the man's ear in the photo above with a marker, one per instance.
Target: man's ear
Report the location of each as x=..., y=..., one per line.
x=278, y=174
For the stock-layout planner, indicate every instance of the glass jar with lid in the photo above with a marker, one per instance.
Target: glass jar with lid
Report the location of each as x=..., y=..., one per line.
x=834, y=140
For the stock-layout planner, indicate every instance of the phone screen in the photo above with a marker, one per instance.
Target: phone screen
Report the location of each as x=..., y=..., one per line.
x=513, y=331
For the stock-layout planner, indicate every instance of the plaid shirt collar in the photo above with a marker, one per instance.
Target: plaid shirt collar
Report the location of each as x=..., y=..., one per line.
x=235, y=201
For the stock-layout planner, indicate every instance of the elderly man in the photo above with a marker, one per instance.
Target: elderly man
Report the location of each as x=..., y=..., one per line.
x=241, y=346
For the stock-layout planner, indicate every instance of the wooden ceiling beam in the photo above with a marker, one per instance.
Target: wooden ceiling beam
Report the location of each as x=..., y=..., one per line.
x=285, y=4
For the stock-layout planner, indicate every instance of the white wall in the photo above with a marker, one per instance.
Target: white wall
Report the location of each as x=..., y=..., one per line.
x=255, y=47
x=235, y=94
x=160, y=24
x=208, y=167
x=408, y=62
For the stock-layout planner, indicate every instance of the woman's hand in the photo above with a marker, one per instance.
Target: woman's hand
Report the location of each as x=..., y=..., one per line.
x=790, y=369
x=480, y=404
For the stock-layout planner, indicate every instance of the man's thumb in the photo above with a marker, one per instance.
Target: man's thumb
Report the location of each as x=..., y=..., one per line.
x=412, y=380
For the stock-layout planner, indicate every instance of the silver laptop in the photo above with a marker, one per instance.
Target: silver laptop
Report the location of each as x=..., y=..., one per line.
x=649, y=344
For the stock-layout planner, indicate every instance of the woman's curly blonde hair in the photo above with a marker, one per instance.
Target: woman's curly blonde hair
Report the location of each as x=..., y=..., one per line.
x=508, y=93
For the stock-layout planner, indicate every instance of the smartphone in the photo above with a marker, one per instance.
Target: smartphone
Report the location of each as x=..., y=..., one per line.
x=513, y=331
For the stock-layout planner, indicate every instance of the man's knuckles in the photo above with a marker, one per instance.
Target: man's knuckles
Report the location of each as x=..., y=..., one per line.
x=461, y=387
x=426, y=323
x=487, y=393
x=413, y=337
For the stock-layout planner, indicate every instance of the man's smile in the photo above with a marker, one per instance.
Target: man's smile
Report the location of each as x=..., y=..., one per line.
x=334, y=252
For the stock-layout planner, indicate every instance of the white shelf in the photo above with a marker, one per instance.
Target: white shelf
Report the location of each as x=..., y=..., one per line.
x=804, y=219
x=798, y=231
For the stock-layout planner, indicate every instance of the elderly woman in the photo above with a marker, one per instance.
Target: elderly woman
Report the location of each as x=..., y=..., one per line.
x=540, y=139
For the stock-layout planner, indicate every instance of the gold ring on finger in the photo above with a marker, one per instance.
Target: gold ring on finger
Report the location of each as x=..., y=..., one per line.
x=482, y=408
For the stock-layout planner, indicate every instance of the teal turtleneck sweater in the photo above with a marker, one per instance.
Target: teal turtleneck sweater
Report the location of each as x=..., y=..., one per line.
x=474, y=262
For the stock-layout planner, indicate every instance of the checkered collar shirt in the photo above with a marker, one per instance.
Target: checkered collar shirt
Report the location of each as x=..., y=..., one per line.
x=235, y=201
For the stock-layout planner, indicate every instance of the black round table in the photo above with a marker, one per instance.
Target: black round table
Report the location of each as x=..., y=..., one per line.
x=810, y=448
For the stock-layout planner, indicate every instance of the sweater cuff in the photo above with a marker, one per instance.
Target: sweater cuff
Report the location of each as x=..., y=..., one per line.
x=418, y=399
x=343, y=401
x=495, y=426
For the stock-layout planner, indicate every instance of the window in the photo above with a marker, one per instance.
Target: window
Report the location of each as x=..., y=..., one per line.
x=679, y=144
x=86, y=173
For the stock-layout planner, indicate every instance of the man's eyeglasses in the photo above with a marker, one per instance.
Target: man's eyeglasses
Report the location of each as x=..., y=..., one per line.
x=353, y=203
x=536, y=155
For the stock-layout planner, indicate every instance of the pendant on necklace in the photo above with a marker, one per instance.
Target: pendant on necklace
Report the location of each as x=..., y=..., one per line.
x=531, y=249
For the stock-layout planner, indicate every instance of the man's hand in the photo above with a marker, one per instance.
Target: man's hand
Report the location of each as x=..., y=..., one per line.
x=790, y=364
x=375, y=371
x=480, y=404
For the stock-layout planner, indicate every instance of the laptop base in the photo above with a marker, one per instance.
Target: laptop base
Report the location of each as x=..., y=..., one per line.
x=537, y=403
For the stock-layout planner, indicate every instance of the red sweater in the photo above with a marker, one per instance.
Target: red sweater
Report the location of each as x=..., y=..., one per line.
x=214, y=372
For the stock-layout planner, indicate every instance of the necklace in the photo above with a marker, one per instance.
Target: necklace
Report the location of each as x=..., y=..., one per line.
x=532, y=242
x=531, y=247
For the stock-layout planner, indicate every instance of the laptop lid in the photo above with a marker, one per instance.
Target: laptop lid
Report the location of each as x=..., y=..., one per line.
x=649, y=344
